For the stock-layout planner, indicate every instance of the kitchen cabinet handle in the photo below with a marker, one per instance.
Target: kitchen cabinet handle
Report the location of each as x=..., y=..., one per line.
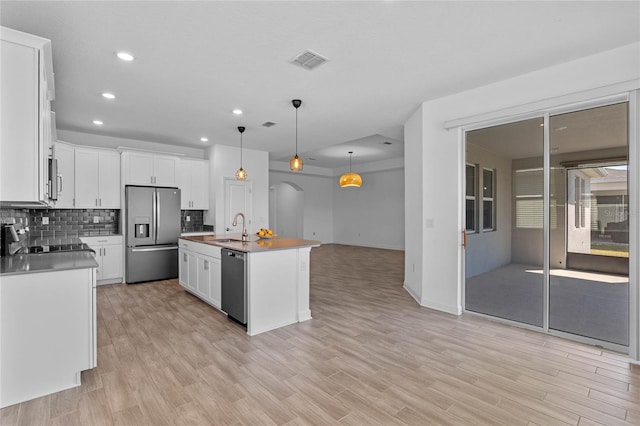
x=184, y=257
x=100, y=201
x=206, y=265
x=60, y=186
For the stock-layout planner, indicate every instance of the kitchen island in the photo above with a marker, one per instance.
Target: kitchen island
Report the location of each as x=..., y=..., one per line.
x=277, y=276
x=48, y=323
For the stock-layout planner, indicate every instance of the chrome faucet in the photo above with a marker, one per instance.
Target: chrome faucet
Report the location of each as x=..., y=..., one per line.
x=244, y=227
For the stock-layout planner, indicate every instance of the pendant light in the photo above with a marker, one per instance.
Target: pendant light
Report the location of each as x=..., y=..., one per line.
x=296, y=162
x=350, y=179
x=241, y=174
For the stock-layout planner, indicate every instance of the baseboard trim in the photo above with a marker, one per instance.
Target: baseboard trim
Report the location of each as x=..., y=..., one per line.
x=454, y=310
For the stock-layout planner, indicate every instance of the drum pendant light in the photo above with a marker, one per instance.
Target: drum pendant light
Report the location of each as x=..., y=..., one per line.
x=350, y=179
x=295, y=163
x=241, y=174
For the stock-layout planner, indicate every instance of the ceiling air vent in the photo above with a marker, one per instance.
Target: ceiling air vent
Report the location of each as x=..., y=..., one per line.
x=308, y=60
x=268, y=124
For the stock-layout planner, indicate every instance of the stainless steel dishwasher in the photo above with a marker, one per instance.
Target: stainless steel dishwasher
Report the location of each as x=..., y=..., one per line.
x=234, y=285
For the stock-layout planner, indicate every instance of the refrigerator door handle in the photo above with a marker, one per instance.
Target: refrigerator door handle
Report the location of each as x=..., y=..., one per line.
x=142, y=249
x=154, y=213
x=157, y=214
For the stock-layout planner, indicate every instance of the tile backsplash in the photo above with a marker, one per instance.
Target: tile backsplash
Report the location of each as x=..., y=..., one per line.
x=195, y=223
x=64, y=223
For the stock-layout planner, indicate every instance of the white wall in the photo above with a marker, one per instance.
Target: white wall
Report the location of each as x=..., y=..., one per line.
x=434, y=154
x=286, y=210
x=101, y=141
x=223, y=163
x=372, y=215
x=318, y=202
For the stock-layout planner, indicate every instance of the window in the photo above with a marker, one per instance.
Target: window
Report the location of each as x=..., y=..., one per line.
x=488, y=200
x=470, y=202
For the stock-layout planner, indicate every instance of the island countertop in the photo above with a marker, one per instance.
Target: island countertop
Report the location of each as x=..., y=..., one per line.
x=254, y=244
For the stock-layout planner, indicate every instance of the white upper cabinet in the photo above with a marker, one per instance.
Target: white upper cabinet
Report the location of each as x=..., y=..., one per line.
x=97, y=178
x=194, y=184
x=26, y=78
x=150, y=169
x=65, y=154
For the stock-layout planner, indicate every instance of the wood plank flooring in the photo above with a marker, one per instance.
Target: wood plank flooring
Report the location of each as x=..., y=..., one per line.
x=369, y=356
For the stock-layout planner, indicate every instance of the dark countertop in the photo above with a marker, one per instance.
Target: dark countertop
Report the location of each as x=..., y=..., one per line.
x=254, y=244
x=46, y=262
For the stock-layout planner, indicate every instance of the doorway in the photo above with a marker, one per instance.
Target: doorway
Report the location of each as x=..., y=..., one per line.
x=545, y=198
x=286, y=210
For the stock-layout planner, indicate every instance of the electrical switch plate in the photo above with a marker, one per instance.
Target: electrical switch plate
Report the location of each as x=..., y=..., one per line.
x=96, y=219
x=45, y=220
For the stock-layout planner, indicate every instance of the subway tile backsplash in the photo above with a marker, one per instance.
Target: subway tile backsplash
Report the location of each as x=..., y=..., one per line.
x=195, y=223
x=64, y=223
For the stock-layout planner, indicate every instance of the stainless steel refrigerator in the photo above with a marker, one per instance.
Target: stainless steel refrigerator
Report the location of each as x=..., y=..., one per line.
x=153, y=228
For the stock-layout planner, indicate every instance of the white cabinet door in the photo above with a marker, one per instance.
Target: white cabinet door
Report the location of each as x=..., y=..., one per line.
x=87, y=178
x=183, y=269
x=215, y=282
x=192, y=265
x=111, y=264
x=109, y=180
x=138, y=168
x=65, y=154
x=185, y=185
x=165, y=171
x=199, y=185
x=19, y=162
x=203, y=281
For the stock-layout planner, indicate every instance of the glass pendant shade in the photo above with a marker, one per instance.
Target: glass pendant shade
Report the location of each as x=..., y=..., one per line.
x=296, y=163
x=241, y=174
x=350, y=179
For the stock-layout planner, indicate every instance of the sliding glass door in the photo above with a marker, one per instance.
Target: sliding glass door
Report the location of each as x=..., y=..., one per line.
x=547, y=241
x=505, y=234
x=589, y=250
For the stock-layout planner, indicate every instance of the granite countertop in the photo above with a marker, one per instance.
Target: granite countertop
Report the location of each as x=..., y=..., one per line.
x=254, y=244
x=46, y=262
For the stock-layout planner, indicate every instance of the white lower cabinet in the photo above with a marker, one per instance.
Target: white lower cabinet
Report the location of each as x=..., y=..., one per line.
x=109, y=256
x=47, y=332
x=200, y=272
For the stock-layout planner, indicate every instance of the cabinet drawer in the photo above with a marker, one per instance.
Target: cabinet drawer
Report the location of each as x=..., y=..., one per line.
x=204, y=249
x=103, y=240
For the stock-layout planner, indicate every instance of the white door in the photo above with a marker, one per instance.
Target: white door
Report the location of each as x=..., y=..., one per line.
x=237, y=199
x=86, y=178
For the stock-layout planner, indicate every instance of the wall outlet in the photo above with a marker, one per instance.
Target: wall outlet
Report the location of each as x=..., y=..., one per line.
x=96, y=219
x=45, y=220
x=188, y=218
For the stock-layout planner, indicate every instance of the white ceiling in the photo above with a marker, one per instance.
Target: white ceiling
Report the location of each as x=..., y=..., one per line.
x=196, y=61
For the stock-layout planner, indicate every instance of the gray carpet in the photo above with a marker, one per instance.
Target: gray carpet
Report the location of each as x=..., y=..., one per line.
x=591, y=305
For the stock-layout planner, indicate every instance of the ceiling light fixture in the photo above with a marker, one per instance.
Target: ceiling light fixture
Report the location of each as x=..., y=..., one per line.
x=296, y=163
x=350, y=179
x=237, y=111
x=241, y=174
x=108, y=95
x=127, y=57
x=98, y=122
x=203, y=139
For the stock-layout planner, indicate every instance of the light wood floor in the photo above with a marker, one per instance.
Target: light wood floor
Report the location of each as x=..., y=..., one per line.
x=369, y=356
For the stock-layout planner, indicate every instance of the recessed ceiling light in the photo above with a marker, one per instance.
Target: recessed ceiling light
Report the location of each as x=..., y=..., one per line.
x=203, y=139
x=98, y=122
x=125, y=56
x=108, y=95
x=237, y=111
